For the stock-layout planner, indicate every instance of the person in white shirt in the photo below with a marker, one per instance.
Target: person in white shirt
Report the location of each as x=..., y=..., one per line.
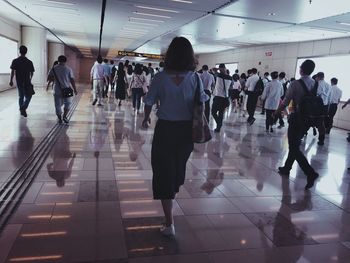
x=323, y=91
x=334, y=99
x=97, y=79
x=265, y=80
x=208, y=84
x=221, y=99
x=234, y=91
x=252, y=96
x=272, y=95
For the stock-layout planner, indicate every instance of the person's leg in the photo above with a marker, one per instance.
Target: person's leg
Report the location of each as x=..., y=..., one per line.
x=167, y=205
x=254, y=102
x=221, y=114
x=67, y=103
x=58, y=106
x=134, y=98
x=94, y=91
x=100, y=91
x=214, y=110
x=140, y=93
x=263, y=107
x=207, y=106
x=20, y=96
x=267, y=120
x=332, y=111
x=27, y=99
x=249, y=107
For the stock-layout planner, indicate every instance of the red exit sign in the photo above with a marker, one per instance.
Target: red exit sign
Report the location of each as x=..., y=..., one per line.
x=268, y=54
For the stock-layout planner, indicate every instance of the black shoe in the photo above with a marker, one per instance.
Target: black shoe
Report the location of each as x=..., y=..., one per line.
x=217, y=130
x=320, y=143
x=267, y=130
x=252, y=121
x=65, y=120
x=59, y=119
x=23, y=112
x=94, y=102
x=283, y=171
x=280, y=126
x=311, y=180
x=262, y=113
x=100, y=105
x=348, y=169
x=120, y=103
x=271, y=130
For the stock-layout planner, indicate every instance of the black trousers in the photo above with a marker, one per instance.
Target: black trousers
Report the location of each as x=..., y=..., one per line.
x=251, y=104
x=218, y=109
x=295, y=133
x=331, y=113
x=269, y=119
x=207, y=105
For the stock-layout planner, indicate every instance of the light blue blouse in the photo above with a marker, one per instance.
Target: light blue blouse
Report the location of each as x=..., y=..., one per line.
x=176, y=102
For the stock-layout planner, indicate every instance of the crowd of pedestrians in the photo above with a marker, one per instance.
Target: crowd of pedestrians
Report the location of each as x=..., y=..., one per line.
x=173, y=87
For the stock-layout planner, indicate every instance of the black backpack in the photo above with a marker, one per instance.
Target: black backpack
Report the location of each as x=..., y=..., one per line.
x=311, y=106
x=259, y=87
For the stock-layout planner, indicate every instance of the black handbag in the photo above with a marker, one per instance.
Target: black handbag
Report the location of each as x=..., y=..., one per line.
x=29, y=91
x=66, y=91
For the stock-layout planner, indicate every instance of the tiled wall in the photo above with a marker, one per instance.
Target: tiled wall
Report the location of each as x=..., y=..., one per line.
x=284, y=57
x=11, y=31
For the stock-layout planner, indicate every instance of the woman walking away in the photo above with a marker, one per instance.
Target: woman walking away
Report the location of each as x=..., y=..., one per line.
x=235, y=90
x=120, y=79
x=272, y=95
x=138, y=81
x=172, y=144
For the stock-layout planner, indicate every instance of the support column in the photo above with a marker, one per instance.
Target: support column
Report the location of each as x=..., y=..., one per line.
x=54, y=50
x=34, y=38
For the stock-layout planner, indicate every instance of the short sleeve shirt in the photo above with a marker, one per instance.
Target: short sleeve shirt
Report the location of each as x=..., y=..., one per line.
x=63, y=77
x=23, y=67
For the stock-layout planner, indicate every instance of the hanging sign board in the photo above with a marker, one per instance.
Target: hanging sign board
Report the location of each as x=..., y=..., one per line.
x=268, y=54
x=140, y=55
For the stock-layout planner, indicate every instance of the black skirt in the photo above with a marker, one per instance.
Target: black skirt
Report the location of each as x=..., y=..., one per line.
x=171, y=147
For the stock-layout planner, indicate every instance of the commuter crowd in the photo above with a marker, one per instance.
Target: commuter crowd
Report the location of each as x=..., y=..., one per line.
x=174, y=88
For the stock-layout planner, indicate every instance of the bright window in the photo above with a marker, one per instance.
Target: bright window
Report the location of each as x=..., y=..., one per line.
x=8, y=51
x=332, y=66
x=230, y=66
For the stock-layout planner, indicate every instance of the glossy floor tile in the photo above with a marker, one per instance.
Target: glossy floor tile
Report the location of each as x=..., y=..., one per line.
x=92, y=199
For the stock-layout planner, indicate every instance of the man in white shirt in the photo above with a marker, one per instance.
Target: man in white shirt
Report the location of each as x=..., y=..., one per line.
x=334, y=99
x=265, y=80
x=323, y=91
x=97, y=78
x=221, y=100
x=252, y=95
x=208, y=84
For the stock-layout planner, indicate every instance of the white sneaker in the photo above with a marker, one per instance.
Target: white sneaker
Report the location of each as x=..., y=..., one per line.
x=168, y=231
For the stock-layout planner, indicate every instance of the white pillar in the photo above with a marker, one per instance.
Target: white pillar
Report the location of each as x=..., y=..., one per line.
x=54, y=50
x=34, y=38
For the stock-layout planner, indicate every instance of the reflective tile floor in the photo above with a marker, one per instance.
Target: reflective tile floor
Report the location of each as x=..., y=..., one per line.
x=92, y=199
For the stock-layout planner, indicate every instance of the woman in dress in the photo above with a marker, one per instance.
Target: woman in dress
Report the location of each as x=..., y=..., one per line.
x=172, y=141
x=120, y=79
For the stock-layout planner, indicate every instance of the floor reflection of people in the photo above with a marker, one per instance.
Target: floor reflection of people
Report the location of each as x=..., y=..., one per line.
x=60, y=169
x=285, y=233
x=23, y=146
x=215, y=176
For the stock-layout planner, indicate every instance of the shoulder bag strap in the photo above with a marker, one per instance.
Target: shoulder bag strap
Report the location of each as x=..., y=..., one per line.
x=302, y=83
x=58, y=81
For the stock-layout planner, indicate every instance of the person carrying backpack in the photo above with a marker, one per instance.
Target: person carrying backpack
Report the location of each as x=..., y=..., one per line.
x=304, y=113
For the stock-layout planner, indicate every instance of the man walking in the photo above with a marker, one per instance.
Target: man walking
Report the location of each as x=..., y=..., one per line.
x=97, y=78
x=23, y=68
x=296, y=128
x=208, y=84
x=252, y=95
x=335, y=96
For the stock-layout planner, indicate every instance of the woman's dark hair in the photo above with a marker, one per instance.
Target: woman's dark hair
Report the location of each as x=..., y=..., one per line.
x=130, y=70
x=138, y=69
x=120, y=67
x=180, y=55
x=243, y=76
x=235, y=77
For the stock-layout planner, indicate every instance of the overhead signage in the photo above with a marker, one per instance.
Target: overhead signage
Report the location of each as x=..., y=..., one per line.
x=268, y=53
x=140, y=55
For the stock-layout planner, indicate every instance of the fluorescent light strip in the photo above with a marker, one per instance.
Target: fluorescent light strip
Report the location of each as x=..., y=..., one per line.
x=146, y=19
x=344, y=23
x=157, y=9
x=144, y=24
x=147, y=14
x=182, y=1
x=57, y=2
x=134, y=30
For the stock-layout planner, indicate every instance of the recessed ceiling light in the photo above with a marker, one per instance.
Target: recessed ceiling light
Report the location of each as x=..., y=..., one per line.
x=146, y=19
x=157, y=9
x=147, y=14
x=182, y=1
x=271, y=14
